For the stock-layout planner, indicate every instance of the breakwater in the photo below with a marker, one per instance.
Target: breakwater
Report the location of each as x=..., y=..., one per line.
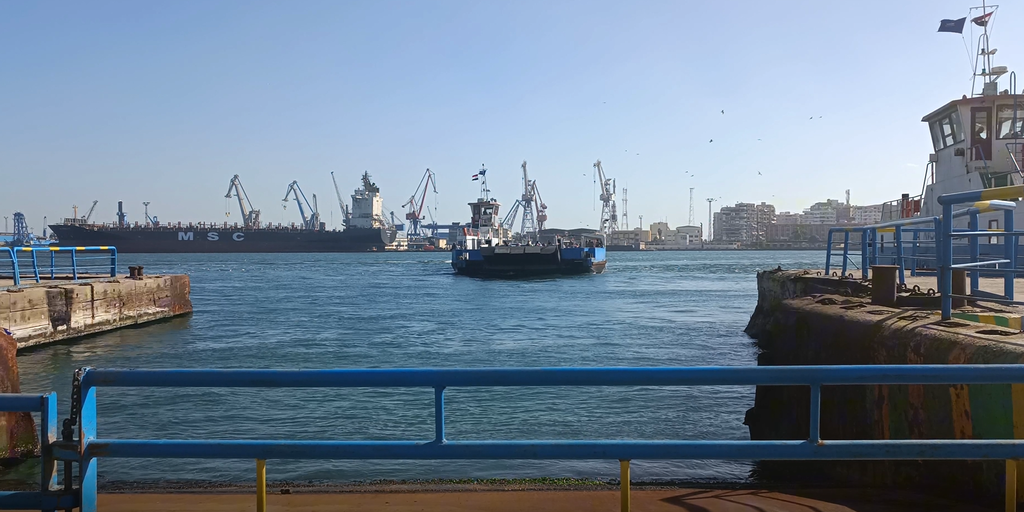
x=805, y=319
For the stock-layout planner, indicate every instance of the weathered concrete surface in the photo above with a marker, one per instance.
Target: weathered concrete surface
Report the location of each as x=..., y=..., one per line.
x=671, y=500
x=18, y=433
x=51, y=312
x=795, y=324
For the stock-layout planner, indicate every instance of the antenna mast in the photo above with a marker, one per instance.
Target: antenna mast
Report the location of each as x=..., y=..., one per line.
x=988, y=73
x=625, y=211
x=710, y=200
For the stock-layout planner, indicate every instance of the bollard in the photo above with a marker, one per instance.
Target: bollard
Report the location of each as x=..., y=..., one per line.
x=959, y=287
x=139, y=271
x=624, y=485
x=883, y=284
x=133, y=272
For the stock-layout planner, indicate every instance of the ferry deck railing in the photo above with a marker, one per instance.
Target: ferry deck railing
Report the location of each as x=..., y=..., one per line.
x=91, y=447
x=71, y=263
x=973, y=234
x=49, y=496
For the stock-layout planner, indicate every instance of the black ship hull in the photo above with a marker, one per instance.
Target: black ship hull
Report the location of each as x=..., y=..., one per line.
x=185, y=239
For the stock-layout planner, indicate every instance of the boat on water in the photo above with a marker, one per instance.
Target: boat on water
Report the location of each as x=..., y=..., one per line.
x=484, y=248
x=978, y=143
x=366, y=229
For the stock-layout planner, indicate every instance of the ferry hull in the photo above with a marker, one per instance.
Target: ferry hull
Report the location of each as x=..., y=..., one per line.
x=224, y=240
x=515, y=262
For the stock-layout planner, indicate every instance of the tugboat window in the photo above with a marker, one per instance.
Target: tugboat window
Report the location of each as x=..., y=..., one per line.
x=1005, y=127
x=947, y=131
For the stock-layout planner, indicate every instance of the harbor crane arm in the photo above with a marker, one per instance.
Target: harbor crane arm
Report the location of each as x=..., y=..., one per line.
x=250, y=216
x=415, y=213
x=341, y=202
x=542, y=209
x=311, y=221
x=93, y=207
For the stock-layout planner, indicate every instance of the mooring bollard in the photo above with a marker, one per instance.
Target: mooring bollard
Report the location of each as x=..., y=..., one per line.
x=883, y=284
x=138, y=271
x=133, y=272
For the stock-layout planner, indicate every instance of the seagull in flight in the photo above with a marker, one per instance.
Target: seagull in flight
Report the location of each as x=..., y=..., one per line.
x=723, y=111
x=712, y=140
x=759, y=173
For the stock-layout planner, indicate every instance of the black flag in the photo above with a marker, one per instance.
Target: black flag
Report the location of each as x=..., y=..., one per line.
x=956, y=26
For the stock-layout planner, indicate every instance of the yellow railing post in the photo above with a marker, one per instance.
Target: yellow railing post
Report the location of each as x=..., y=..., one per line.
x=624, y=484
x=261, y=485
x=1011, y=486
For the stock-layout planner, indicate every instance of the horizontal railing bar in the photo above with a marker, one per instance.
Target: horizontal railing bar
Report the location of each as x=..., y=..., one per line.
x=986, y=233
x=974, y=298
x=570, y=450
x=19, y=402
x=26, y=500
x=980, y=264
x=505, y=377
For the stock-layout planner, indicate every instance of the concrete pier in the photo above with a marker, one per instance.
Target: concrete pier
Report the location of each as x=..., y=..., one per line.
x=803, y=318
x=51, y=311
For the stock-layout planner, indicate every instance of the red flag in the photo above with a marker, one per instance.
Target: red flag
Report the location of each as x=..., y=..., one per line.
x=982, y=20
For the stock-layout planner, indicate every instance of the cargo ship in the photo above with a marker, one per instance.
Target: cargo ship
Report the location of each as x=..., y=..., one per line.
x=366, y=229
x=483, y=249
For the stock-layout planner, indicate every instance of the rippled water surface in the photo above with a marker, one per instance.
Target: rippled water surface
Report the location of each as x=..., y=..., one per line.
x=409, y=310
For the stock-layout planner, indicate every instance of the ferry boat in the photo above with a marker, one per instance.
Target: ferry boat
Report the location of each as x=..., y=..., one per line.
x=978, y=139
x=484, y=248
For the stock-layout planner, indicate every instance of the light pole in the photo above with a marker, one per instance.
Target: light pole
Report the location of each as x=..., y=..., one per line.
x=5, y=224
x=145, y=204
x=710, y=200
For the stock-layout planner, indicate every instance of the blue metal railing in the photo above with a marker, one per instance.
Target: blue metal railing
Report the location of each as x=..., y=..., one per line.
x=49, y=496
x=64, y=262
x=91, y=447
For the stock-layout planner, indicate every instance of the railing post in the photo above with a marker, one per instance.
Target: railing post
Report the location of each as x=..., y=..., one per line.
x=815, y=430
x=1010, y=253
x=874, y=248
x=974, y=243
x=944, y=239
x=35, y=264
x=864, y=254
x=624, y=485
x=87, y=468
x=74, y=264
x=1011, y=486
x=898, y=235
x=846, y=251
x=47, y=435
x=913, y=253
x=828, y=254
x=113, y=262
x=14, y=266
x=53, y=262
x=439, y=414
x=261, y=485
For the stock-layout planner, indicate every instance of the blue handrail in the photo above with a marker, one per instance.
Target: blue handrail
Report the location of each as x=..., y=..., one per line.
x=76, y=267
x=93, y=447
x=49, y=496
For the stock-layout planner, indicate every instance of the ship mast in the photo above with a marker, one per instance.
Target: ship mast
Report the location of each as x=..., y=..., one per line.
x=984, y=53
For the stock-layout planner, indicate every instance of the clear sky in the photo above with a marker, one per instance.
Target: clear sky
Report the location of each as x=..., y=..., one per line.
x=165, y=101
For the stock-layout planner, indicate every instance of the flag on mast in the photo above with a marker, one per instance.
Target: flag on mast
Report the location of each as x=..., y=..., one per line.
x=955, y=26
x=982, y=20
x=476, y=177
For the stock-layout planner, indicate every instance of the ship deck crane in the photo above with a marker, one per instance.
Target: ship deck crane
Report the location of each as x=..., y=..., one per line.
x=609, y=219
x=91, y=209
x=415, y=214
x=312, y=221
x=250, y=216
x=346, y=214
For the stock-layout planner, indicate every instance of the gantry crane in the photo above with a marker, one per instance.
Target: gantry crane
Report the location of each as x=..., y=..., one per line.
x=313, y=220
x=250, y=216
x=609, y=219
x=415, y=214
x=345, y=213
x=533, y=208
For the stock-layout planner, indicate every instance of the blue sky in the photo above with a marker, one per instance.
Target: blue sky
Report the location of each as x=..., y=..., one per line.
x=165, y=101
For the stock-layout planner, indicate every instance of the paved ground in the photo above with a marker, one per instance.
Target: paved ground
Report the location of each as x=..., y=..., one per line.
x=674, y=500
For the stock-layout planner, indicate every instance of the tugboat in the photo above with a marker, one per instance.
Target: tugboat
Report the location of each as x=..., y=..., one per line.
x=484, y=248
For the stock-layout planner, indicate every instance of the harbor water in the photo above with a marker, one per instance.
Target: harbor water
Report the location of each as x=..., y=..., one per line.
x=403, y=310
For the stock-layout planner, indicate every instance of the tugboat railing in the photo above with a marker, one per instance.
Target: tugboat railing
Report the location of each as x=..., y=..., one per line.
x=91, y=447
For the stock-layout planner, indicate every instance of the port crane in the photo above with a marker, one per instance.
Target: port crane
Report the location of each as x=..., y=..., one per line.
x=250, y=216
x=91, y=209
x=308, y=222
x=415, y=214
x=345, y=213
x=609, y=219
x=528, y=203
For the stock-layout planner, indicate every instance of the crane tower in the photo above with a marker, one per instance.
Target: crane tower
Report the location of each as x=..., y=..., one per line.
x=528, y=228
x=250, y=216
x=609, y=219
x=415, y=214
x=690, y=221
